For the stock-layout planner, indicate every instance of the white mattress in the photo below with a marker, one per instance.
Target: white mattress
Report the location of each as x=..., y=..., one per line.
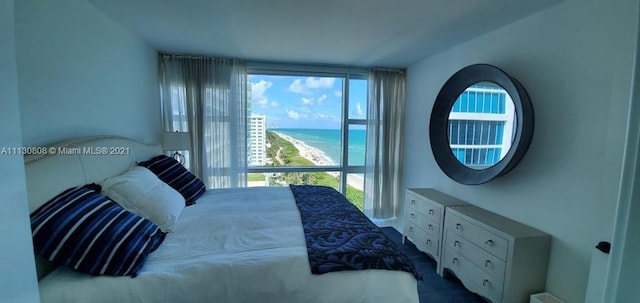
x=234, y=245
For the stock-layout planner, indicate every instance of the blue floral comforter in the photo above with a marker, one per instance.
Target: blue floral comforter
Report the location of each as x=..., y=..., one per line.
x=340, y=237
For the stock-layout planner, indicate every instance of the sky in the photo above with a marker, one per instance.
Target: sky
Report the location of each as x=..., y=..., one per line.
x=305, y=102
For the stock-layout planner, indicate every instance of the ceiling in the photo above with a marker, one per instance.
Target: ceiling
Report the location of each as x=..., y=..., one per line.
x=391, y=33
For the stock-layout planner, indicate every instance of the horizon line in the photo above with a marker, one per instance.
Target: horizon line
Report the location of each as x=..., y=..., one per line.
x=269, y=128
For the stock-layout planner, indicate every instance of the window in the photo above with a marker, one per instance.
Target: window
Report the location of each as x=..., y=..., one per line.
x=307, y=127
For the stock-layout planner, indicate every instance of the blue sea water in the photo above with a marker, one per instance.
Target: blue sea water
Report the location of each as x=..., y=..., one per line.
x=328, y=141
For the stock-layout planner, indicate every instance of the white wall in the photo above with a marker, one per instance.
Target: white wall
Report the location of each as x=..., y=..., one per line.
x=67, y=71
x=576, y=61
x=80, y=73
x=17, y=270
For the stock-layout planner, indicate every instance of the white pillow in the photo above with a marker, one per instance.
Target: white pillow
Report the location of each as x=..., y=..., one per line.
x=141, y=192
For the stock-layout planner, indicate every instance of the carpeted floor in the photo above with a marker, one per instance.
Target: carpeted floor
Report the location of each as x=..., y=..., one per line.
x=433, y=288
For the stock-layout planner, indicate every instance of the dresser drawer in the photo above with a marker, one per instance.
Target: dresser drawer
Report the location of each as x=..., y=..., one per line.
x=429, y=209
x=424, y=241
x=423, y=222
x=474, y=278
x=484, y=260
x=479, y=236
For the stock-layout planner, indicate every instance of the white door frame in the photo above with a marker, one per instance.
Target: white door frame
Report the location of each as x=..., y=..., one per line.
x=621, y=281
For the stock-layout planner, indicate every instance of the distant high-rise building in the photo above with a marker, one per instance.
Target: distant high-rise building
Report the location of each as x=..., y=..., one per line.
x=481, y=125
x=257, y=140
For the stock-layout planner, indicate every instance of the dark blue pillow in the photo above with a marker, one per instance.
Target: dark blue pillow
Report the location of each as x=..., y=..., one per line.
x=177, y=176
x=86, y=231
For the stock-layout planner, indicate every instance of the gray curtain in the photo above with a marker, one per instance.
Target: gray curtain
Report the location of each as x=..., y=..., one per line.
x=207, y=98
x=385, y=132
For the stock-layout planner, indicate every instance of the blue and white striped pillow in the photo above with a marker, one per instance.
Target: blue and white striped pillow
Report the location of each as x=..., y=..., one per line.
x=86, y=231
x=177, y=176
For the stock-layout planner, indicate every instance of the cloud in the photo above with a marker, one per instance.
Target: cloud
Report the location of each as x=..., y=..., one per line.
x=274, y=104
x=327, y=117
x=305, y=110
x=258, y=90
x=359, y=109
x=321, y=99
x=338, y=93
x=297, y=87
x=293, y=114
x=307, y=101
x=312, y=101
x=310, y=84
x=313, y=82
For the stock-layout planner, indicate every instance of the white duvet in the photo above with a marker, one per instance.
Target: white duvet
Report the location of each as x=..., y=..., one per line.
x=234, y=245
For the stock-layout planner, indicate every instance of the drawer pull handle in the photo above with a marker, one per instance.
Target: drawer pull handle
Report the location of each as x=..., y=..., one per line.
x=454, y=261
x=485, y=282
x=413, y=202
x=410, y=229
x=428, y=242
x=430, y=227
x=413, y=216
x=456, y=243
x=486, y=263
x=458, y=226
x=431, y=211
x=489, y=242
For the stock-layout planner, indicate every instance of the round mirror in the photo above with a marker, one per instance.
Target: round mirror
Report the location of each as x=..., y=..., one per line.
x=481, y=124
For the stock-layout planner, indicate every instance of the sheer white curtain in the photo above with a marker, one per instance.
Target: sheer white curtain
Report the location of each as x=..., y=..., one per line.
x=385, y=131
x=207, y=98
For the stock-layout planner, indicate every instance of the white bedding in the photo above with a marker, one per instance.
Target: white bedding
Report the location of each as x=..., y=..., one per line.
x=234, y=245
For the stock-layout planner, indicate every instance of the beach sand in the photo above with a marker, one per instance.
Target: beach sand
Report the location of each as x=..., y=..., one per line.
x=318, y=158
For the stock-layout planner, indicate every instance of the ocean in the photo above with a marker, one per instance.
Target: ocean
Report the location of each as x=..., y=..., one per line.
x=328, y=141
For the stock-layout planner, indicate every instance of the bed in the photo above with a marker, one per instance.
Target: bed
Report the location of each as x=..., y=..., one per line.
x=232, y=245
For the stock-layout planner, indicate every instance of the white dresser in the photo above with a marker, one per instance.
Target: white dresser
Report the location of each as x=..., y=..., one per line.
x=498, y=258
x=424, y=213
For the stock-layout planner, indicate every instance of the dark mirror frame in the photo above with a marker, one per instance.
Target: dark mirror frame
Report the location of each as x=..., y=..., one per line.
x=439, y=123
